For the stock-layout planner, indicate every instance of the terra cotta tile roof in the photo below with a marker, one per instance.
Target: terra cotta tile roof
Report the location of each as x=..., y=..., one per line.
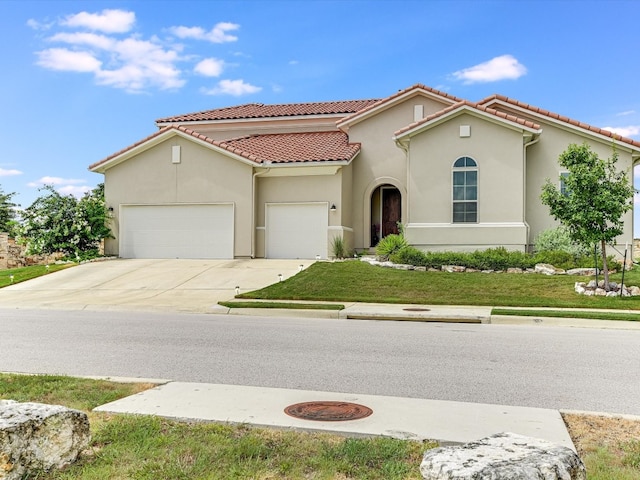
x=268, y=148
x=482, y=108
x=259, y=110
x=293, y=147
x=562, y=118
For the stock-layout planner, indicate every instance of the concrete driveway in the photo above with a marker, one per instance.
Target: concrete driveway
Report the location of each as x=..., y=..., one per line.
x=165, y=285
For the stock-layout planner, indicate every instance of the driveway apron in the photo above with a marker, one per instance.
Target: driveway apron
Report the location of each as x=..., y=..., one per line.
x=131, y=284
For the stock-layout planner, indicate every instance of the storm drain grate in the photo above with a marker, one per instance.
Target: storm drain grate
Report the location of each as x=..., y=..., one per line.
x=416, y=309
x=328, y=411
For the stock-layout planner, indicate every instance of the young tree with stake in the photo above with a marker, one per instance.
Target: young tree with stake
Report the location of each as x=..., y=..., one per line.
x=596, y=197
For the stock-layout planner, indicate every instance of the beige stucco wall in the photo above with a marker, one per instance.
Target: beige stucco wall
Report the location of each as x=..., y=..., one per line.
x=300, y=188
x=542, y=163
x=202, y=176
x=498, y=152
x=380, y=162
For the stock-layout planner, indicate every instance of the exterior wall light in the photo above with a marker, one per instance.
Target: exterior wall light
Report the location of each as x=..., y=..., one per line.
x=333, y=207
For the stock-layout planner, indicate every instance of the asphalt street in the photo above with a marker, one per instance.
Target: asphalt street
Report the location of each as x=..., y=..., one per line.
x=549, y=367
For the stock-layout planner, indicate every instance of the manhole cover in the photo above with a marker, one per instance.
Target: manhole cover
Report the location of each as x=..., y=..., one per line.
x=416, y=309
x=328, y=411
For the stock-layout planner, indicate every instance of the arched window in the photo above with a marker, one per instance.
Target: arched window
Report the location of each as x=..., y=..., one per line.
x=465, y=190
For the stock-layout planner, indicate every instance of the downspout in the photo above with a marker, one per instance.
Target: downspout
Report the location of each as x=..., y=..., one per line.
x=254, y=200
x=524, y=184
x=404, y=146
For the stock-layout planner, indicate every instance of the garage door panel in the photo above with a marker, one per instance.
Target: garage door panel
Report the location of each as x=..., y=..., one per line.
x=177, y=231
x=296, y=230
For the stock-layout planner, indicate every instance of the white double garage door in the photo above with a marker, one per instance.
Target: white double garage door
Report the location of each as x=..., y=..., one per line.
x=293, y=230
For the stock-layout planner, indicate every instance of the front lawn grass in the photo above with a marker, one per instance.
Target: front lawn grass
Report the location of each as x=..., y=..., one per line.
x=147, y=447
x=353, y=281
x=27, y=273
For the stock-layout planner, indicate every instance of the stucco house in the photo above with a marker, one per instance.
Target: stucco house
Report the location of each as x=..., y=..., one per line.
x=281, y=181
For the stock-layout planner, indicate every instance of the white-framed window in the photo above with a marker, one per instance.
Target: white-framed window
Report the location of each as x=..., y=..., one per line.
x=563, y=185
x=465, y=190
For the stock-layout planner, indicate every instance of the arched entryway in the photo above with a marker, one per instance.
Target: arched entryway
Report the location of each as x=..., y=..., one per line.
x=386, y=212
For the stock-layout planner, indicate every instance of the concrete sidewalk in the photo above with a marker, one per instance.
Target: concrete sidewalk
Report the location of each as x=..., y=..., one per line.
x=405, y=418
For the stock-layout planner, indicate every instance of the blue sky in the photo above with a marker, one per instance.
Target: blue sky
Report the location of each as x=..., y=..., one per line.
x=84, y=79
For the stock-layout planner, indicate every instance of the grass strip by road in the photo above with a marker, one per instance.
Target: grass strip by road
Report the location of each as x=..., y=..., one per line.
x=283, y=305
x=27, y=273
x=354, y=281
x=632, y=317
x=147, y=447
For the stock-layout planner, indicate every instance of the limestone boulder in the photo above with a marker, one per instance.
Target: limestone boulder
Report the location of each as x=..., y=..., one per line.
x=453, y=268
x=504, y=456
x=547, y=269
x=36, y=437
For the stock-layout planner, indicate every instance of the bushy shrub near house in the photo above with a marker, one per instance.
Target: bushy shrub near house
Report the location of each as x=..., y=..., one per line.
x=491, y=259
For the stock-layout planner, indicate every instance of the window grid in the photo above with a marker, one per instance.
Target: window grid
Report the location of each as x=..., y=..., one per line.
x=465, y=190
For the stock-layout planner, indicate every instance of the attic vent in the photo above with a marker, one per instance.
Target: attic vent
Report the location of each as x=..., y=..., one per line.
x=465, y=130
x=418, y=112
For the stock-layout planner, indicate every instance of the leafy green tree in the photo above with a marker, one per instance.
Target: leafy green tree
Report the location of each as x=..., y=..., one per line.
x=62, y=223
x=7, y=212
x=596, y=197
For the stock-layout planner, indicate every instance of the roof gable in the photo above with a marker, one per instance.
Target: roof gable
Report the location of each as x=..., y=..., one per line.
x=556, y=118
x=473, y=108
x=257, y=150
x=396, y=98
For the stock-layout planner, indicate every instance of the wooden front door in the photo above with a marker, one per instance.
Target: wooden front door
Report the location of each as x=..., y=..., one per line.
x=391, y=211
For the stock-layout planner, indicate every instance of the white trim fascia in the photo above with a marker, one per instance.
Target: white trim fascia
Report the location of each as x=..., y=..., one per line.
x=174, y=204
x=471, y=111
x=564, y=125
x=467, y=225
x=138, y=149
x=385, y=105
x=341, y=228
x=327, y=116
x=299, y=170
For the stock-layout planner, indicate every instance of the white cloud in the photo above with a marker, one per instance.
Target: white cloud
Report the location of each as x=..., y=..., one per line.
x=9, y=173
x=629, y=131
x=133, y=63
x=69, y=60
x=109, y=21
x=293, y=62
x=82, y=38
x=36, y=25
x=210, y=67
x=626, y=112
x=76, y=191
x=55, y=181
x=504, y=67
x=232, y=87
x=218, y=34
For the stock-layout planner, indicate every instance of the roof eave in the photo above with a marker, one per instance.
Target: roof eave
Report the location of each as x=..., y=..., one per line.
x=619, y=140
x=103, y=166
x=389, y=102
x=459, y=111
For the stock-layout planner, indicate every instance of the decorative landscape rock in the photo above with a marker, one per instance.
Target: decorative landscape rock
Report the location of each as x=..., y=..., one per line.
x=591, y=289
x=584, y=272
x=504, y=456
x=453, y=268
x=547, y=269
x=35, y=436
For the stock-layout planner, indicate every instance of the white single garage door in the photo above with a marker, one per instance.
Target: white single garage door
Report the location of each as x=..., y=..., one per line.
x=176, y=231
x=296, y=230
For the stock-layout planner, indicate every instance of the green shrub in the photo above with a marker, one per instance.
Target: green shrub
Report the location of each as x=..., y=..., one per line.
x=408, y=256
x=491, y=259
x=338, y=248
x=389, y=245
x=558, y=239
